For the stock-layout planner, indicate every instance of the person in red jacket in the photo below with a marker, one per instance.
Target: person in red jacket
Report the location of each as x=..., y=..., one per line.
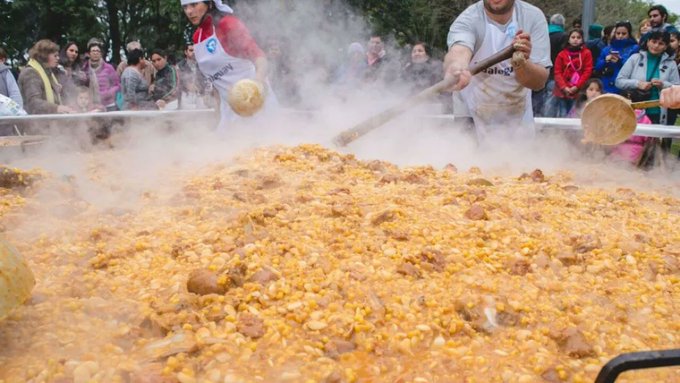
x=226, y=52
x=573, y=67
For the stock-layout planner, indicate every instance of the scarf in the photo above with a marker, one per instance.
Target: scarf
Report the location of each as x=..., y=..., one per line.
x=49, y=93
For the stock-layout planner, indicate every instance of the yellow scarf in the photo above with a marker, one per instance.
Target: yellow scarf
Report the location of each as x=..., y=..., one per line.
x=49, y=93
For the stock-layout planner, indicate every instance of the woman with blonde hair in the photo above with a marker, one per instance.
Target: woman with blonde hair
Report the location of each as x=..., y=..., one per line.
x=645, y=26
x=39, y=87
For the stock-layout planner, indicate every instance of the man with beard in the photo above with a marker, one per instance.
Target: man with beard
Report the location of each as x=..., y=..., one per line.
x=658, y=16
x=499, y=98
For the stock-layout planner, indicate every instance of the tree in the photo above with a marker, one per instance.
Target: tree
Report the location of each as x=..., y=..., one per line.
x=57, y=20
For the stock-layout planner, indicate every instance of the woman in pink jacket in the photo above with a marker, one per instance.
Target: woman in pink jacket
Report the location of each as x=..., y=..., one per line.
x=104, y=73
x=573, y=67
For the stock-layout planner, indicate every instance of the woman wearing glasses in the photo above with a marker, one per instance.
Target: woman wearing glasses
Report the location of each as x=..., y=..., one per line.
x=103, y=73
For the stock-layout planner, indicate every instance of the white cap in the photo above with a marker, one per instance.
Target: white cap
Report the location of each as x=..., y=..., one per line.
x=218, y=3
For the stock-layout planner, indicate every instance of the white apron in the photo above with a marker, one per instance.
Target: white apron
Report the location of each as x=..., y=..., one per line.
x=498, y=104
x=223, y=71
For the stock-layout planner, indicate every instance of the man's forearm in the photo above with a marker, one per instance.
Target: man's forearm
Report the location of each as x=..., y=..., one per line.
x=458, y=56
x=531, y=75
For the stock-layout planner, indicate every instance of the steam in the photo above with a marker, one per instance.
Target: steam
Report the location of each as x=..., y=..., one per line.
x=146, y=155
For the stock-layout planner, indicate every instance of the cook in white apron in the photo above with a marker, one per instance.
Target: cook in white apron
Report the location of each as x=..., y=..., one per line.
x=223, y=71
x=498, y=104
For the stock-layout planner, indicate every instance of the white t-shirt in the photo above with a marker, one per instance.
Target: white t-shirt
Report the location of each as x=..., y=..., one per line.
x=469, y=29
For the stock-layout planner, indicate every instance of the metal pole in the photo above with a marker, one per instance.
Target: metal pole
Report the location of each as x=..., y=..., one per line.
x=588, y=15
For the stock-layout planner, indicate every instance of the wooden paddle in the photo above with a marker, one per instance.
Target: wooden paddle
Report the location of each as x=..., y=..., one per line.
x=378, y=120
x=610, y=119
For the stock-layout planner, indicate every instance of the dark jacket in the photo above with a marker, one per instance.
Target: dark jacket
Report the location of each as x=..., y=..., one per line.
x=383, y=70
x=166, y=85
x=421, y=76
x=558, y=39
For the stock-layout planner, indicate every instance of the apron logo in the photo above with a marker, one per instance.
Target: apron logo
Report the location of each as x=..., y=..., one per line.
x=220, y=73
x=211, y=45
x=499, y=70
x=512, y=30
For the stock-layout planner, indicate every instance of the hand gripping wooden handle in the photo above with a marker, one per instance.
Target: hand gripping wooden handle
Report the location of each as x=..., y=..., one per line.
x=348, y=136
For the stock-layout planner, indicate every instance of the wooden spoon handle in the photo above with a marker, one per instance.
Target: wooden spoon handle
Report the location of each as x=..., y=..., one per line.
x=645, y=104
x=347, y=136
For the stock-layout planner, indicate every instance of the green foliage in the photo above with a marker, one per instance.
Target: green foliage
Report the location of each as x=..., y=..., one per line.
x=161, y=23
x=58, y=20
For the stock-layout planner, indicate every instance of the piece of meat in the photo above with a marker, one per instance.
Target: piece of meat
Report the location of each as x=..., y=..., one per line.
x=377, y=166
x=337, y=347
x=433, y=257
x=585, y=243
x=337, y=191
x=477, y=195
x=451, y=168
x=479, y=182
x=250, y=325
x=537, y=176
x=551, y=376
x=389, y=178
x=573, y=343
x=409, y=269
x=415, y=178
x=334, y=377
x=476, y=213
x=385, y=216
x=264, y=276
x=203, y=282
x=568, y=258
x=237, y=275
x=399, y=235
x=269, y=181
x=357, y=275
x=519, y=267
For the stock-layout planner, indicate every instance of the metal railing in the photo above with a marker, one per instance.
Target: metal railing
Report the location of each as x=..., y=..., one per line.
x=542, y=124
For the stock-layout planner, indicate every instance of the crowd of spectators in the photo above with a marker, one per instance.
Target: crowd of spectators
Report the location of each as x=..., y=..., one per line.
x=636, y=63
x=153, y=81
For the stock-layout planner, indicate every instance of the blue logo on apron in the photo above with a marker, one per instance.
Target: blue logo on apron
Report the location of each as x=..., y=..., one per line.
x=512, y=30
x=211, y=45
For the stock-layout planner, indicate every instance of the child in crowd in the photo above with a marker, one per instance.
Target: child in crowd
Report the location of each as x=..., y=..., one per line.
x=573, y=67
x=674, y=45
x=631, y=150
x=592, y=88
x=84, y=102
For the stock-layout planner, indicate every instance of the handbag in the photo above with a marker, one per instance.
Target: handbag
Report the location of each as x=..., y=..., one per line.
x=575, y=77
x=120, y=100
x=638, y=95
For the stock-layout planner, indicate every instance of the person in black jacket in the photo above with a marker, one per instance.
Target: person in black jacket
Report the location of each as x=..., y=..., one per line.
x=541, y=100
